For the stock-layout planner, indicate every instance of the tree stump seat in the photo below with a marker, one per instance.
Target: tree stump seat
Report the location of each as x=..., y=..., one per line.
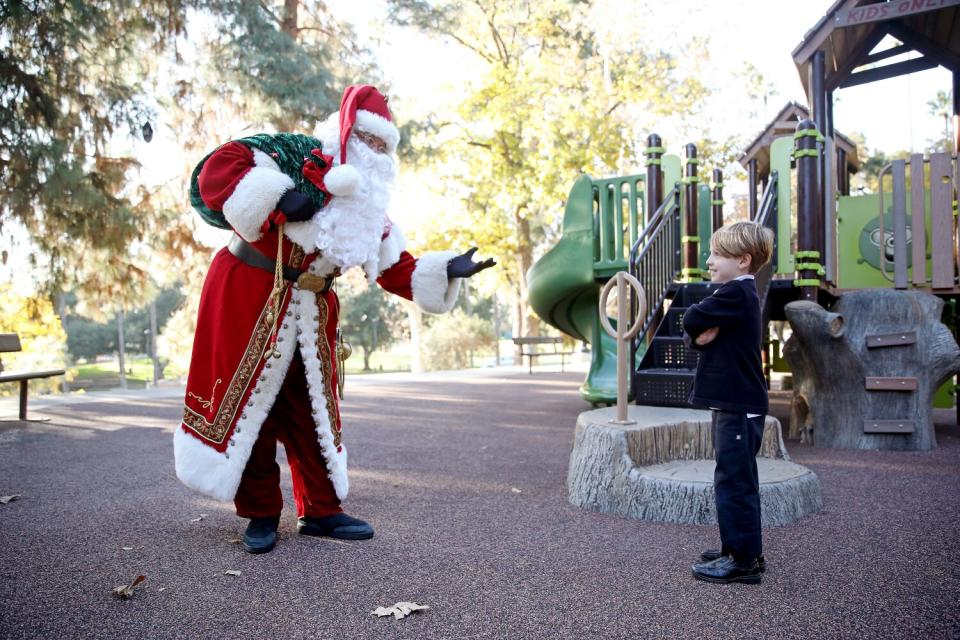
x=661, y=468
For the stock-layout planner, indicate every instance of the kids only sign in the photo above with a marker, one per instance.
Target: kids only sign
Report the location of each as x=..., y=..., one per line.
x=889, y=10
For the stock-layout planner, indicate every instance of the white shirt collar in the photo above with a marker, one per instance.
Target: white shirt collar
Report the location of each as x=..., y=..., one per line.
x=745, y=276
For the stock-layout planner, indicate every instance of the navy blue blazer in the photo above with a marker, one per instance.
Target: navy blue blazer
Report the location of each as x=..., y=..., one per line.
x=730, y=373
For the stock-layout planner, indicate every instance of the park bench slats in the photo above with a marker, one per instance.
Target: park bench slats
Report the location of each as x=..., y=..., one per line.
x=10, y=342
x=534, y=352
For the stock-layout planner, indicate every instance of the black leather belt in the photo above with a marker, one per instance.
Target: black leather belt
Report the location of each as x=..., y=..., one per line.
x=248, y=254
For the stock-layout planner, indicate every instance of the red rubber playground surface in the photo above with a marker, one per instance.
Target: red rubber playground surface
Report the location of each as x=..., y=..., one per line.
x=463, y=477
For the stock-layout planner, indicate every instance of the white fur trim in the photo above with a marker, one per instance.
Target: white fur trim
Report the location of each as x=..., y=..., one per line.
x=342, y=180
x=216, y=474
x=310, y=332
x=379, y=126
x=432, y=290
x=390, y=249
x=256, y=196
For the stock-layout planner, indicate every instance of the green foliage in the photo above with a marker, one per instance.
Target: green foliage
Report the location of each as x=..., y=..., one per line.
x=550, y=103
x=370, y=320
x=453, y=337
x=941, y=106
x=41, y=337
x=72, y=78
x=88, y=339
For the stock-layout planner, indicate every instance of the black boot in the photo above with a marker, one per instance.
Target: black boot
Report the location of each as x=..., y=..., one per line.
x=261, y=534
x=725, y=570
x=340, y=526
x=712, y=554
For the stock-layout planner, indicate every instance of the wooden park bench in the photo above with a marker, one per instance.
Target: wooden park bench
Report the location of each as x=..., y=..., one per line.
x=536, y=346
x=9, y=343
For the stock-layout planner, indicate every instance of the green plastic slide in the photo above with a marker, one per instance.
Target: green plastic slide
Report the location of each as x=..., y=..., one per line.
x=565, y=295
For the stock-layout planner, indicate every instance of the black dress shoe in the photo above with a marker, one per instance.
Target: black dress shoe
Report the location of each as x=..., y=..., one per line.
x=725, y=570
x=712, y=554
x=261, y=534
x=340, y=526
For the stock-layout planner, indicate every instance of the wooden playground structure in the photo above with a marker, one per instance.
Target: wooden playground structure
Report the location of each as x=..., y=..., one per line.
x=828, y=242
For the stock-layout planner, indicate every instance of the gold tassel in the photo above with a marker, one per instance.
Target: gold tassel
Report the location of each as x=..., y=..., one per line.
x=276, y=295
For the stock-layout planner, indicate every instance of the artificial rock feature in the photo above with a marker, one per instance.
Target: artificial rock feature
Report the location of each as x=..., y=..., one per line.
x=837, y=356
x=661, y=468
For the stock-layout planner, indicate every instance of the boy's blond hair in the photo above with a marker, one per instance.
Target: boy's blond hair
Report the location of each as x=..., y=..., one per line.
x=744, y=238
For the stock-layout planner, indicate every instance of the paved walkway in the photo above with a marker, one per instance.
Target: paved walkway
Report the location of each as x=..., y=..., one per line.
x=463, y=476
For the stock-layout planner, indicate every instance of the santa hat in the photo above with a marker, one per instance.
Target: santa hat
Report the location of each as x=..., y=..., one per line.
x=362, y=108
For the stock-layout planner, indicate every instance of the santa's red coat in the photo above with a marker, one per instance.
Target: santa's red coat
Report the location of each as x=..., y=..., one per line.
x=234, y=379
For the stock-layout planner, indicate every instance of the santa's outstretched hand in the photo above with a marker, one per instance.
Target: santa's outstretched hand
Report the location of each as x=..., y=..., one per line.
x=463, y=265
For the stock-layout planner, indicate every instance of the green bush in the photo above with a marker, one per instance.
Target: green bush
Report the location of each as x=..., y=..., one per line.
x=451, y=338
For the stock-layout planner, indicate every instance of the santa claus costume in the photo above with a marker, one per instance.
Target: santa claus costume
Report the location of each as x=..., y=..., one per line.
x=264, y=365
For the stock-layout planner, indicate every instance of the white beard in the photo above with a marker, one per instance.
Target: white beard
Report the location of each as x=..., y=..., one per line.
x=348, y=230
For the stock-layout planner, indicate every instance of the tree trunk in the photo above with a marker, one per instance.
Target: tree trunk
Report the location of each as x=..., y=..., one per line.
x=366, y=358
x=415, y=318
x=121, y=350
x=524, y=261
x=864, y=374
x=61, y=302
x=661, y=468
x=153, y=343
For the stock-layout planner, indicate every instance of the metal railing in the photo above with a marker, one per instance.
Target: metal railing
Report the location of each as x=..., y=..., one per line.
x=616, y=225
x=655, y=263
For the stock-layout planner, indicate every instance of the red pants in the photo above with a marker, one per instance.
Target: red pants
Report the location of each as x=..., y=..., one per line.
x=289, y=421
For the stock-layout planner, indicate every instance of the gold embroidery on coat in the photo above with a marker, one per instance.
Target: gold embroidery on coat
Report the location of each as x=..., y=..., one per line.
x=216, y=430
x=323, y=352
x=213, y=395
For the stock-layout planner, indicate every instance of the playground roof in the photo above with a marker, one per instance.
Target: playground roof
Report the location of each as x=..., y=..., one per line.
x=851, y=29
x=784, y=124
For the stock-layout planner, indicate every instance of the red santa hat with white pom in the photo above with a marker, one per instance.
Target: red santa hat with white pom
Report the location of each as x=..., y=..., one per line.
x=362, y=108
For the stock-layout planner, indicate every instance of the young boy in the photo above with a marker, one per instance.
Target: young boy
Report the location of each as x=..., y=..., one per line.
x=726, y=329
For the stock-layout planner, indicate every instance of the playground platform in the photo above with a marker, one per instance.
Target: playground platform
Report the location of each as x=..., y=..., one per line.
x=464, y=478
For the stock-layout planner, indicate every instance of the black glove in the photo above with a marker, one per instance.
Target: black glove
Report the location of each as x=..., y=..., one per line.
x=296, y=206
x=463, y=266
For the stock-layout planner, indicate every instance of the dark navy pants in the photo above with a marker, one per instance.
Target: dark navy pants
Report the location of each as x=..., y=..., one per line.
x=736, y=441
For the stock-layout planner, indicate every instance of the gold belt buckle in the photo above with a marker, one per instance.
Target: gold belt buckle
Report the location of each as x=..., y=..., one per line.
x=311, y=282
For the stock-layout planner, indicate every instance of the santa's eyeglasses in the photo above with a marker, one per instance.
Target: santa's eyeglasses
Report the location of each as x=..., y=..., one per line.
x=372, y=141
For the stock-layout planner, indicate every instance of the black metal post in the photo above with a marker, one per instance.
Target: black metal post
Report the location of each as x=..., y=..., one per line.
x=808, y=255
x=691, y=239
x=654, y=195
x=843, y=176
x=819, y=103
x=752, y=188
x=717, y=199
x=829, y=107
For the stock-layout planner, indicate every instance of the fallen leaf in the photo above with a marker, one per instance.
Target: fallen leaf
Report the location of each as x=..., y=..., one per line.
x=202, y=516
x=231, y=572
x=127, y=548
x=515, y=490
x=234, y=540
x=399, y=610
x=125, y=591
x=6, y=499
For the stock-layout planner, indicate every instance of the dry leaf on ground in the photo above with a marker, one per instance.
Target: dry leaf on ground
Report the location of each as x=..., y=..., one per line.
x=202, y=516
x=400, y=610
x=6, y=499
x=234, y=540
x=231, y=572
x=125, y=591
